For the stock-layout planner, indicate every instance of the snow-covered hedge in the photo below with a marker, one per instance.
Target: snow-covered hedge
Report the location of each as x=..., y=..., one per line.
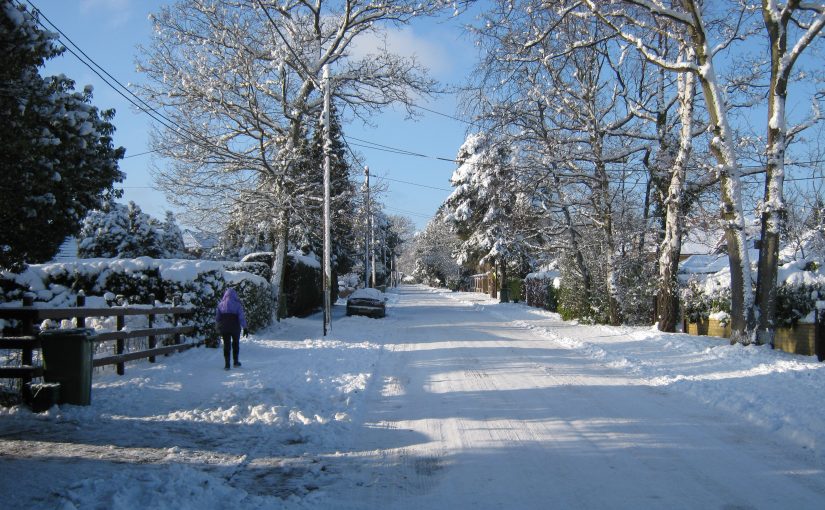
x=198, y=283
x=800, y=284
x=302, y=279
x=540, y=290
x=302, y=284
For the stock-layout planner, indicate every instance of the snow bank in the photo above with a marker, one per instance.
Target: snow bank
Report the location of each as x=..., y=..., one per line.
x=772, y=389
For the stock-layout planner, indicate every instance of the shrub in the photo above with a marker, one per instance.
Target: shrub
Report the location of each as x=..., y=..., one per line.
x=698, y=303
x=540, y=292
x=794, y=302
x=302, y=285
x=199, y=284
x=515, y=287
x=695, y=306
x=637, y=291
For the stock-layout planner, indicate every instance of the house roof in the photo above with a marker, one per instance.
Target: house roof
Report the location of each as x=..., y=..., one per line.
x=198, y=240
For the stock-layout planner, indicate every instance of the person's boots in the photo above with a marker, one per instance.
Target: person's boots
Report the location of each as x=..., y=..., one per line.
x=226, y=364
x=237, y=363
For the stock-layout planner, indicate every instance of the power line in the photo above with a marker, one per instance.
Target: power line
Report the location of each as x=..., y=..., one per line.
x=416, y=184
x=94, y=66
x=409, y=212
x=63, y=34
x=145, y=153
x=457, y=119
x=406, y=152
x=396, y=150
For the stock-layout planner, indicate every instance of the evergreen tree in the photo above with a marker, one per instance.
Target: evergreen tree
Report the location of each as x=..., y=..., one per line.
x=485, y=207
x=342, y=198
x=171, y=237
x=125, y=231
x=58, y=161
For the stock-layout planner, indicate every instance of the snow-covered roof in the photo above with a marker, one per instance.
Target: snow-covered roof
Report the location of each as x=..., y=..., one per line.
x=198, y=240
x=368, y=293
x=709, y=239
x=703, y=264
x=67, y=251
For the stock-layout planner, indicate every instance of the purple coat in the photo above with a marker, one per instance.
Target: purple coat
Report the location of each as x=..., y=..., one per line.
x=229, y=315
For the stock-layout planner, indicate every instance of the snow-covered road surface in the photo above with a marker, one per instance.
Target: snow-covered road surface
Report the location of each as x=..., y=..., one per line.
x=452, y=401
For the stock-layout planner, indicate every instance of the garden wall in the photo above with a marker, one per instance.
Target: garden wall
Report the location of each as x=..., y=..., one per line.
x=797, y=339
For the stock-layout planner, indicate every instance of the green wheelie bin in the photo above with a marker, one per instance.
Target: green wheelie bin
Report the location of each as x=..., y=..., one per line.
x=67, y=359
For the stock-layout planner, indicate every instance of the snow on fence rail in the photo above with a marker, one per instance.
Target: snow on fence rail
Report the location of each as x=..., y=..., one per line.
x=29, y=341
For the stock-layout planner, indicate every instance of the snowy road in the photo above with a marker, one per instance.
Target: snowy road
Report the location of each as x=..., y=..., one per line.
x=450, y=402
x=473, y=412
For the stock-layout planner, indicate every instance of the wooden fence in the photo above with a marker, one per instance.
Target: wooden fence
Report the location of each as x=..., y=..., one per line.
x=801, y=338
x=28, y=340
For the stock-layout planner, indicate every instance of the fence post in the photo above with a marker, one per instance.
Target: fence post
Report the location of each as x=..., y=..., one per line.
x=176, y=302
x=121, y=367
x=80, y=319
x=819, y=335
x=27, y=354
x=152, y=340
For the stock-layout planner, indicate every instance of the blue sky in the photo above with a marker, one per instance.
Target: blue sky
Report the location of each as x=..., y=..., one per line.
x=108, y=31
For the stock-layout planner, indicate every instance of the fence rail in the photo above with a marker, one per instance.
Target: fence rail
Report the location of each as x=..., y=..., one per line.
x=28, y=341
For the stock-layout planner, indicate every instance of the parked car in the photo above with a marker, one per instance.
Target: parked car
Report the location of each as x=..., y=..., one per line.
x=370, y=302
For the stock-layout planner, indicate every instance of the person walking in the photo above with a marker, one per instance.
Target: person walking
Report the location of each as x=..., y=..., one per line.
x=231, y=320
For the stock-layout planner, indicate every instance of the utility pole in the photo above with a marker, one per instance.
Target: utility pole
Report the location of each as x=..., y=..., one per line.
x=368, y=230
x=372, y=248
x=327, y=288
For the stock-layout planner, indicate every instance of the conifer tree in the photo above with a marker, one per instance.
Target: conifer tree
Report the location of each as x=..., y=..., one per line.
x=58, y=160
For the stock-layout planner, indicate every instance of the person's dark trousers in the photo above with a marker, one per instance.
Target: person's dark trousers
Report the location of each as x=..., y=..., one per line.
x=235, y=346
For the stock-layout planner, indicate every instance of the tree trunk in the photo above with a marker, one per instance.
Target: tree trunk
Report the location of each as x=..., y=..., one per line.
x=280, y=258
x=601, y=197
x=504, y=293
x=773, y=204
x=578, y=257
x=743, y=320
x=667, y=299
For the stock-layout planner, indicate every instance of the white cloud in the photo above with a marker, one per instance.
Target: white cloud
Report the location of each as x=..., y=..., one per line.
x=405, y=42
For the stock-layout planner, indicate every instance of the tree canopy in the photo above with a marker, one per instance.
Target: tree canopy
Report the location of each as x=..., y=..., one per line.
x=58, y=160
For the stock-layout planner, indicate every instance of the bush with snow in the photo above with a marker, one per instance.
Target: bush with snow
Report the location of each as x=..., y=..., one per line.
x=125, y=231
x=800, y=284
x=540, y=290
x=199, y=284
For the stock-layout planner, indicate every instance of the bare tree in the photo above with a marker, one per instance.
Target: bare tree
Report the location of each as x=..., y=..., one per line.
x=689, y=22
x=562, y=89
x=237, y=83
x=804, y=21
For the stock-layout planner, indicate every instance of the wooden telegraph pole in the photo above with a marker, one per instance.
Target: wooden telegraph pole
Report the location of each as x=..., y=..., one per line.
x=368, y=234
x=327, y=242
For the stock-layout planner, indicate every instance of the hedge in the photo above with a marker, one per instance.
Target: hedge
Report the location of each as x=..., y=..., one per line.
x=539, y=291
x=199, y=284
